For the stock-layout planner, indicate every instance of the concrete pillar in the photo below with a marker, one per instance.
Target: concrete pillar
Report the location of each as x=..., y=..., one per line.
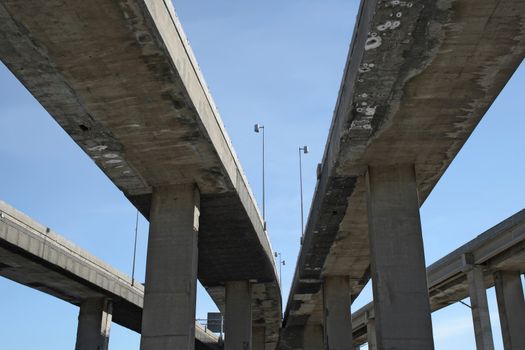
x=511, y=306
x=238, y=318
x=259, y=338
x=168, y=319
x=480, y=309
x=313, y=337
x=337, y=315
x=371, y=334
x=94, y=323
x=401, y=303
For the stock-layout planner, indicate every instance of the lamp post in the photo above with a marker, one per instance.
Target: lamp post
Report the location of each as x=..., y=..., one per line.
x=258, y=128
x=281, y=264
x=135, y=249
x=304, y=150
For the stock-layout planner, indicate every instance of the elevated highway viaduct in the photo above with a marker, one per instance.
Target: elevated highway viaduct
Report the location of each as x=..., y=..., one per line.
x=121, y=79
x=495, y=258
x=419, y=77
x=35, y=256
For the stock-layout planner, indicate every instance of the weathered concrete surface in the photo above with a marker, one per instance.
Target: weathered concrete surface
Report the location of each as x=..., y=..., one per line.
x=238, y=317
x=371, y=337
x=419, y=77
x=171, y=278
x=94, y=324
x=479, y=306
x=258, y=338
x=511, y=308
x=120, y=78
x=337, y=315
x=501, y=248
x=35, y=256
x=313, y=338
x=402, y=309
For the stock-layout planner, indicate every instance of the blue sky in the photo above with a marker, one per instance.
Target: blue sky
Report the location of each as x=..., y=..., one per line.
x=275, y=63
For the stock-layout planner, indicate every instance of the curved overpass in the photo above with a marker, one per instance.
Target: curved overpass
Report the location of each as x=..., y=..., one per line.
x=120, y=78
x=419, y=77
x=35, y=256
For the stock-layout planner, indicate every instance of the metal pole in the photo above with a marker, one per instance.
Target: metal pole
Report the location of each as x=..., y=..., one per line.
x=263, y=182
x=280, y=270
x=301, y=186
x=258, y=128
x=135, y=249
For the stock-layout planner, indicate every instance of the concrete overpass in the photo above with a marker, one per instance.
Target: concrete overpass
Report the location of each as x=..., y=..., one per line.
x=419, y=77
x=120, y=78
x=494, y=258
x=35, y=256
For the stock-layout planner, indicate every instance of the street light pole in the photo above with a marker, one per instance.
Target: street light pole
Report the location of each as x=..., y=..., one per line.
x=260, y=129
x=281, y=264
x=304, y=150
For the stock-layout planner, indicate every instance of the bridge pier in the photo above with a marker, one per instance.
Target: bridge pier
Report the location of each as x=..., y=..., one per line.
x=258, y=338
x=511, y=307
x=337, y=315
x=371, y=332
x=238, y=318
x=479, y=305
x=168, y=320
x=402, y=308
x=313, y=337
x=94, y=323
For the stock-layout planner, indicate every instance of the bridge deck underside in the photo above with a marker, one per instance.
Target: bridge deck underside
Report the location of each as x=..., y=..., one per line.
x=120, y=78
x=419, y=77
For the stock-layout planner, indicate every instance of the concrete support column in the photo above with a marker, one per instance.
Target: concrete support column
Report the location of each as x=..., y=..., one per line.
x=168, y=319
x=480, y=309
x=402, y=308
x=313, y=337
x=94, y=323
x=238, y=319
x=371, y=333
x=259, y=338
x=511, y=307
x=337, y=315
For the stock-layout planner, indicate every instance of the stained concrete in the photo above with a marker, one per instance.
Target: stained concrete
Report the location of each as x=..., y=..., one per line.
x=337, y=320
x=238, y=317
x=419, y=77
x=121, y=79
x=37, y=257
